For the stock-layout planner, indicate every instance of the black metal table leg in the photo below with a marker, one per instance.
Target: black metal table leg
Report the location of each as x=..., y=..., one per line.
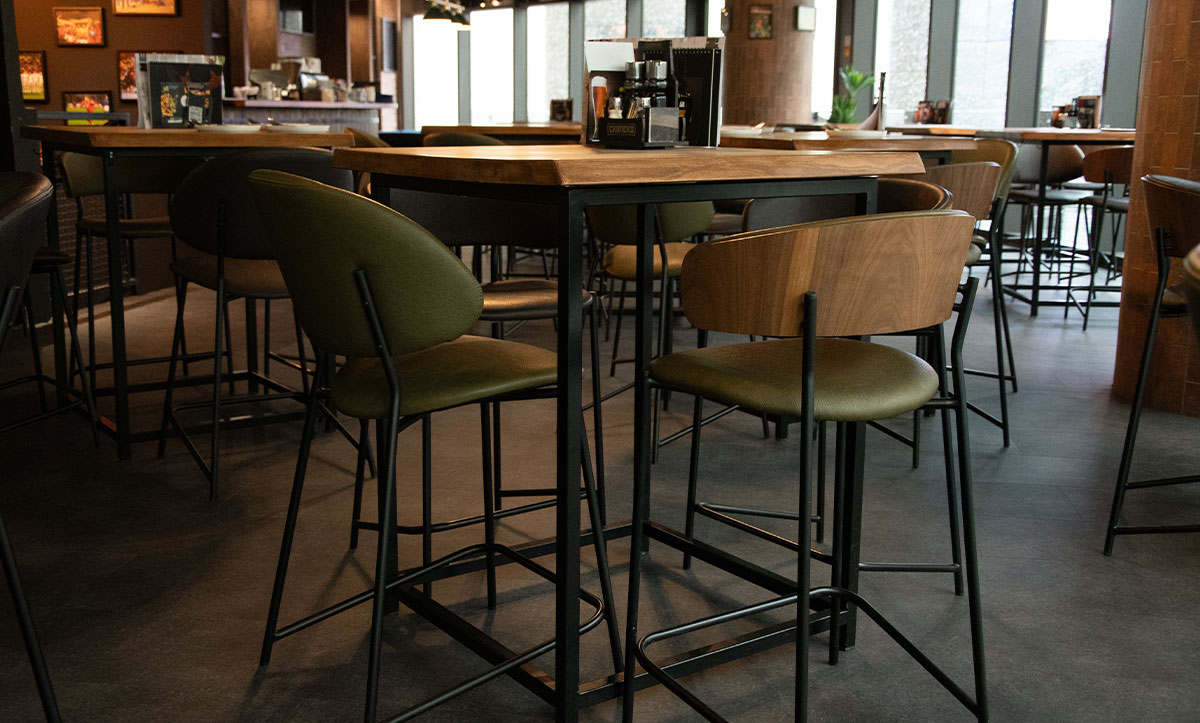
x=854, y=446
x=116, y=305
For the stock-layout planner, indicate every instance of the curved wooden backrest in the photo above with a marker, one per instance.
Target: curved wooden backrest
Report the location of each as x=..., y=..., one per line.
x=896, y=195
x=972, y=186
x=456, y=138
x=872, y=275
x=321, y=235
x=676, y=221
x=1065, y=163
x=903, y=195
x=225, y=179
x=1109, y=165
x=995, y=150
x=1173, y=205
x=362, y=139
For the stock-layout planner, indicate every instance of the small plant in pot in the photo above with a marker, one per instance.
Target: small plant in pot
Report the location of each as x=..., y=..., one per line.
x=845, y=103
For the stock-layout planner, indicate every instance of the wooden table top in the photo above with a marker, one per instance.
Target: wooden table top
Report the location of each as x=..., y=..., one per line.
x=577, y=165
x=86, y=138
x=1093, y=135
x=932, y=129
x=820, y=140
x=552, y=128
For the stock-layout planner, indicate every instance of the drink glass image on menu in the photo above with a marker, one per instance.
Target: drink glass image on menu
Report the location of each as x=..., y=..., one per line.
x=599, y=102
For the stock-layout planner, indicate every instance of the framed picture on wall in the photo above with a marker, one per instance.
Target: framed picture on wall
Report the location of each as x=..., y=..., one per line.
x=760, y=22
x=145, y=7
x=87, y=101
x=33, y=75
x=79, y=27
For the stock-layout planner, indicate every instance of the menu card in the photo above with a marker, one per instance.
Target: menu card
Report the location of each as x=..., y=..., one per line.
x=179, y=91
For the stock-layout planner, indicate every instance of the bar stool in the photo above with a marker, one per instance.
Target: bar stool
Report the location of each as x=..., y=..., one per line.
x=399, y=312
x=1173, y=211
x=770, y=284
x=1109, y=167
x=1065, y=164
x=215, y=216
x=83, y=178
x=25, y=199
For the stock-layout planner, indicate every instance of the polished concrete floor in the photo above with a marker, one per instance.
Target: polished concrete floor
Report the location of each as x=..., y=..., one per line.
x=150, y=600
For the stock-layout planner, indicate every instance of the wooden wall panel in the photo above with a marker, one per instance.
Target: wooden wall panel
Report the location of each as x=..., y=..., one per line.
x=1168, y=142
x=767, y=80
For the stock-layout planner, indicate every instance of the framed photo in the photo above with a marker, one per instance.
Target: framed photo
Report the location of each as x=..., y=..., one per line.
x=145, y=7
x=87, y=101
x=127, y=73
x=760, y=22
x=33, y=75
x=79, y=27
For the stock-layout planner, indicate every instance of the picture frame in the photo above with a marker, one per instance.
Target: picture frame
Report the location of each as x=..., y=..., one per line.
x=79, y=27
x=90, y=101
x=761, y=25
x=127, y=73
x=33, y=76
x=153, y=8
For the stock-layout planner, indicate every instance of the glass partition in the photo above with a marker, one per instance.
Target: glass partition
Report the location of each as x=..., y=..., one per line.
x=603, y=19
x=663, y=18
x=901, y=51
x=981, y=63
x=1074, y=53
x=492, y=66
x=547, y=41
x=435, y=72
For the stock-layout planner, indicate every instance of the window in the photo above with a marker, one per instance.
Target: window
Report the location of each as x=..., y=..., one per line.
x=981, y=63
x=548, y=33
x=1073, y=57
x=664, y=18
x=603, y=19
x=901, y=51
x=435, y=75
x=824, y=42
x=492, y=66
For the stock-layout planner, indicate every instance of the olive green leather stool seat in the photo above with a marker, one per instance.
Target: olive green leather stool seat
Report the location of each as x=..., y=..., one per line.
x=522, y=299
x=457, y=372
x=259, y=278
x=854, y=380
x=621, y=261
x=974, y=253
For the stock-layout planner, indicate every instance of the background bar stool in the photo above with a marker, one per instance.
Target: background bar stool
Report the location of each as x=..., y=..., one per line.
x=399, y=312
x=25, y=199
x=83, y=177
x=215, y=215
x=1173, y=211
x=809, y=281
x=1109, y=167
x=1065, y=164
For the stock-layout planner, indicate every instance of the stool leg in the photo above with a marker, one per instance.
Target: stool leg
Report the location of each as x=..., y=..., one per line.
x=820, y=481
x=386, y=431
x=91, y=311
x=58, y=288
x=597, y=407
x=600, y=543
x=489, y=520
x=356, y=511
x=998, y=329
x=1135, y=411
x=25, y=621
x=948, y=452
x=31, y=331
x=221, y=330
x=266, y=352
x=176, y=341
x=289, y=530
x=617, y=332
x=427, y=495
x=689, y=525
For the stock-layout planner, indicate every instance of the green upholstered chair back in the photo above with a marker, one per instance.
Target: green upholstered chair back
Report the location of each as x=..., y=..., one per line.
x=1173, y=205
x=321, y=235
x=972, y=186
x=995, y=150
x=83, y=174
x=1109, y=165
x=455, y=138
x=24, y=202
x=1065, y=164
x=871, y=274
x=224, y=180
x=676, y=221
